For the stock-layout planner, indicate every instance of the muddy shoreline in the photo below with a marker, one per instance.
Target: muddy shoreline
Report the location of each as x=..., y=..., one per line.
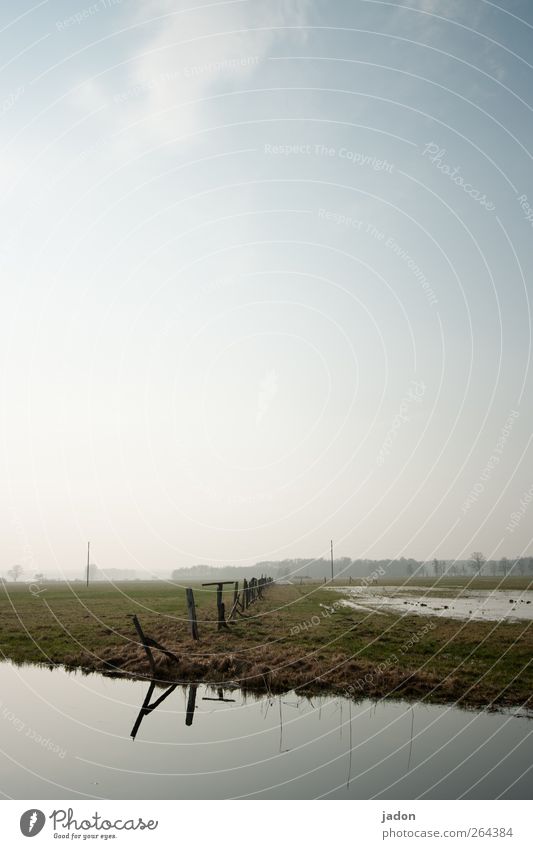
x=259, y=673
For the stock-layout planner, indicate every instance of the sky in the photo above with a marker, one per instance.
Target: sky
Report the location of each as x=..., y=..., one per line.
x=266, y=281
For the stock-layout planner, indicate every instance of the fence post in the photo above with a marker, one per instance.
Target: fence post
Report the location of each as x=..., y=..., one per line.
x=144, y=643
x=221, y=609
x=191, y=607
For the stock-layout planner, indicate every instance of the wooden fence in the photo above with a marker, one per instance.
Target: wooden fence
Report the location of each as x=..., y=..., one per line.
x=251, y=592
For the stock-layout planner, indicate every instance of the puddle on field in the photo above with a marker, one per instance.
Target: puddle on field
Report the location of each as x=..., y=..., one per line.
x=69, y=735
x=479, y=605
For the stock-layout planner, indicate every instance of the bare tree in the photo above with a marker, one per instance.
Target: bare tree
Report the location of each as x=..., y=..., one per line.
x=504, y=565
x=437, y=567
x=15, y=572
x=478, y=560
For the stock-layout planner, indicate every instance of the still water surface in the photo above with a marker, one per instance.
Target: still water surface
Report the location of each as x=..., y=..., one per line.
x=68, y=735
x=479, y=605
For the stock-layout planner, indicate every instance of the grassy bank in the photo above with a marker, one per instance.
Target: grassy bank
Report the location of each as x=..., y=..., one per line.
x=296, y=638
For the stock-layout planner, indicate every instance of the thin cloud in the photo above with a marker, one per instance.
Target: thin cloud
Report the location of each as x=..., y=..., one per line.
x=188, y=56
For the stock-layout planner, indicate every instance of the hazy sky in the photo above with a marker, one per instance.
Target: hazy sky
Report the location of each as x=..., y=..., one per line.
x=266, y=280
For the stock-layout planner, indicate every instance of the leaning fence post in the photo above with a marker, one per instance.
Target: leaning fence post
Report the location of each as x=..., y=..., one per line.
x=144, y=642
x=191, y=607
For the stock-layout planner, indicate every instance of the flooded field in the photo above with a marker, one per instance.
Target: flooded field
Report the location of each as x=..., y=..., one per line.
x=479, y=605
x=86, y=736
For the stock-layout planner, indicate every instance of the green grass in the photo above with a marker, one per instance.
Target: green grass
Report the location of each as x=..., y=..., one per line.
x=289, y=640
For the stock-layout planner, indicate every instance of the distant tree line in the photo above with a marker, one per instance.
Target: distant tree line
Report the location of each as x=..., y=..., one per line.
x=17, y=573
x=344, y=568
x=312, y=568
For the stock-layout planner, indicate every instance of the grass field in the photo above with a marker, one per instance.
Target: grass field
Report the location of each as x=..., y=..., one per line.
x=297, y=637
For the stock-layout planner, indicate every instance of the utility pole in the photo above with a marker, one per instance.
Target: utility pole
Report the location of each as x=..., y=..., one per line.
x=331, y=561
x=88, y=554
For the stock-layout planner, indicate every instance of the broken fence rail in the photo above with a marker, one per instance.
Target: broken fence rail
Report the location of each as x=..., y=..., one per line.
x=252, y=591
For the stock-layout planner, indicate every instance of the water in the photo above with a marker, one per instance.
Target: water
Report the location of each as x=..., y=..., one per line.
x=68, y=735
x=480, y=605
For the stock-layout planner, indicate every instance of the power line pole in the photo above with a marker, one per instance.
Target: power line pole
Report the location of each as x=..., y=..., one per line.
x=331, y=561
x=88, y=554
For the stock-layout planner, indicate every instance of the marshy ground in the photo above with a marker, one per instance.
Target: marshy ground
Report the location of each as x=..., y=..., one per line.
x=298, y=637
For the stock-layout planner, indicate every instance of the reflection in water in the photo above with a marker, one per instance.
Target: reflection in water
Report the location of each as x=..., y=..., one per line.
x=67, y=735
x=411, y=739
x=191, y=704
x=147, y=708
x=350, y=747
x=220, y=697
